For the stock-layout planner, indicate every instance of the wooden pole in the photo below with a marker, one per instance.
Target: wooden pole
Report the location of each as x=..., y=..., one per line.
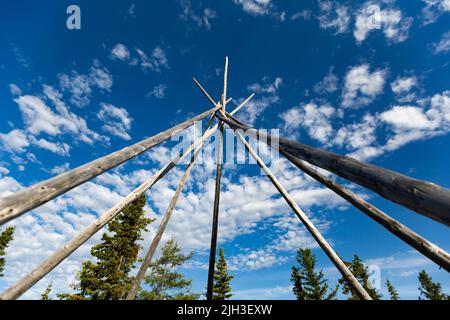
x=56, y=258
x=215, y=224
x=427, y=248
x=340, y=265
x=17, y=204
x=426, y=198
x=225, y=85
x=162, y=227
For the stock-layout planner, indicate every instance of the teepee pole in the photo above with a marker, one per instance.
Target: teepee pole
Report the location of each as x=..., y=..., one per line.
x=340, y=265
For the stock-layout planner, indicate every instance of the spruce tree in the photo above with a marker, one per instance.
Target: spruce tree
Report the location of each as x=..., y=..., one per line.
x=392, y=291
x=108, y=277
x=222, y=280
x=5, y=238
x=46, y=294
x=309, y=284
x=361, y=273
x=430, y=290
x=164, y=281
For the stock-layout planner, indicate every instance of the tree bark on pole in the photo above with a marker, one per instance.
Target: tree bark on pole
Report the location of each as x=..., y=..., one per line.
x=426, y=198
x=340, y=265
x=32, y=197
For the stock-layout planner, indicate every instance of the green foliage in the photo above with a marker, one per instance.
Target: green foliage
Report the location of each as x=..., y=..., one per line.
x=222, y=280
x=392, y=291
x=309, y=284
x=430, y=290
x=46, y=294
x=108, y=278
x=360, y=271
x=164, y=281
x=5, y=238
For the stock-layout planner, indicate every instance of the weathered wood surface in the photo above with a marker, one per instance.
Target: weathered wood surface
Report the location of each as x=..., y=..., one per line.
x=56, y=258
x=34, y=196
x=426, y=198
x=215, y=222
x=427, y=248
x=225, y=85
x=340, y=265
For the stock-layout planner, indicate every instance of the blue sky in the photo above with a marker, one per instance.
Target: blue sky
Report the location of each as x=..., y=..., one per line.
x=364, y=78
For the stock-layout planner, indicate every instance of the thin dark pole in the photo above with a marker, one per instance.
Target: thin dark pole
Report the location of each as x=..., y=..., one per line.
x=215, y=224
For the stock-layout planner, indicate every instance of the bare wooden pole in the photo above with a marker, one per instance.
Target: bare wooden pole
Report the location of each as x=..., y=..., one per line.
x=427, y=248
x=225, y=85
x=215, y=224
x=17, y=204
x=423, y=197
x=162, y=227
x=340, y=265
x=56, y=258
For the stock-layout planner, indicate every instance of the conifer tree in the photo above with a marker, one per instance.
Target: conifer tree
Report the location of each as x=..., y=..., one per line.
x=222, y=280
x=392, y=291
x=46, y=294
x=361, y=273
x=5, y=238
x=108, y=277
x=164, y=281
x=430, y=290
x=309, y=284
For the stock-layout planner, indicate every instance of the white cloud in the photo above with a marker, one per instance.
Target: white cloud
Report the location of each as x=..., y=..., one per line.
x=158, y=91
x=14, y=89
x=255, y=7
x=333, y=16
x=39, y=118
x=202, y=20
x=391, y=21
x=403, y=84
x=116, y=120
x=314, y=118
x=264, y=293
x=408, y=117
x=267, y=96
x=359, y=138
x=266, y=86
x=155, y=62
x=305, y=14
x=434, y=9
x=60, y=148
x=254, y=260
x=3, y=171
x=8, y=186
x=80, y=85
x=362, y=86
x=443, y=46
x=328, y=84
x=120, y=52
x=60, y=169
x=14, y=141
x=402, y=88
